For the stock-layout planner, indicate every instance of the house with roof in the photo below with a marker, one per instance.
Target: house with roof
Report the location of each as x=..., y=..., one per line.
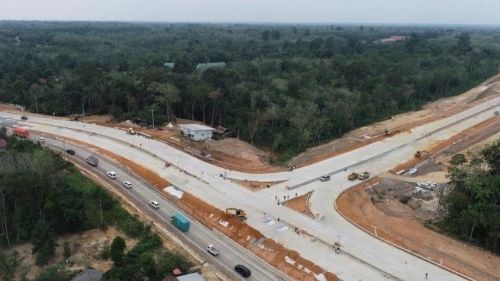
x=188, y=277
x=169, y=65
x=201, y=67
x=88, y=274
x=197, y=132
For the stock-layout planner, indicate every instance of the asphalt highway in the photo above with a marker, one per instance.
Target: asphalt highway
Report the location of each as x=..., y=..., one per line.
x=198, y=235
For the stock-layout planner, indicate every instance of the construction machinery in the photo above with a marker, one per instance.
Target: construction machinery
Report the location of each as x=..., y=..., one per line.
x=356, y=176
x=364, y=176
x=422, y=154
x=353, y=176
x=239, y=213
x=21, y=132
x=131, y=131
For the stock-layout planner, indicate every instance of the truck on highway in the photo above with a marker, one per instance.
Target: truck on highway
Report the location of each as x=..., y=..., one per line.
x=92, y=161
x=180, y=221
x=21, y=132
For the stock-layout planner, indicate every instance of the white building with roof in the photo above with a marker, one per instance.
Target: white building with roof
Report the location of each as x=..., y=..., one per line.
x=197, y=132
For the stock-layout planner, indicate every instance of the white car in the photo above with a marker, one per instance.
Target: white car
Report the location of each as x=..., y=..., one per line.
x=212, y=250
x=41, y=140
x=111, y=174
x=154, y=204
x=127, y=184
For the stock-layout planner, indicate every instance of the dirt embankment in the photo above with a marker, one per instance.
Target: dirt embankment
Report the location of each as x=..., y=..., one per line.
x=410, y=234
x=301, y=204
x=441, y=150
x=272, y=252
x=400, y=123
x=238, y=155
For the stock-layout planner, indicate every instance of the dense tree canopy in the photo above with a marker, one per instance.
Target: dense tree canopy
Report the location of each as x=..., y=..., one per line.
x=473, y=204
x=283, y=87
x=42, y=196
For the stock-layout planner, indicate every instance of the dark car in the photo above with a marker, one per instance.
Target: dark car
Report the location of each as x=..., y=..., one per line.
x=324, y=178
x=70, y=151
x=243, y=270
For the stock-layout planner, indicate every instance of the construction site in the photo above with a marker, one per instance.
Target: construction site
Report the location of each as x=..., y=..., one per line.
x=290, y=220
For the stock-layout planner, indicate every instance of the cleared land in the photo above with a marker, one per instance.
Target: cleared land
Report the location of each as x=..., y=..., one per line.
x=272, y=252
x=301, y=204
x=378, y=211
x=400, y=123
x=235, y=154
x=410, y=234
x=85, y=249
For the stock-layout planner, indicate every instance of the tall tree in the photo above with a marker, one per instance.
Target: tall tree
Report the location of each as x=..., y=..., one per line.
x=167, y=95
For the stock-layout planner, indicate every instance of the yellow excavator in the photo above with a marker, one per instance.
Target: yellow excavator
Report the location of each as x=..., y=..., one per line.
x=239, y=213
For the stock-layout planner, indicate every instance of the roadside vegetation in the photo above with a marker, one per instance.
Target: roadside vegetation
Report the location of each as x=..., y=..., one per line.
x=43, y=197
x=473, y=205
x=284, y=88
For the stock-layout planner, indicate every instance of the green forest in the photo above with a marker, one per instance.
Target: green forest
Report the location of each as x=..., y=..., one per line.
x=42, y=197
x=473, y=205
x=281, y=87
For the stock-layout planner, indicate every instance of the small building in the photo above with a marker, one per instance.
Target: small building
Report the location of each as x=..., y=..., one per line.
x=169, y=65
x=201, y=67
x=3, y=144
x=191, y=277
x=394, y=38
x=197, y=132
x=88, y=274
x=187, y=277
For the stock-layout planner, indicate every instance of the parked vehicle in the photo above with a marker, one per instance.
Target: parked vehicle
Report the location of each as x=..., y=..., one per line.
x=353, y=176
x=127, y=184
x=21, y=132
x=364, y=176
x=111, y=174
x=154, y=204
x=324, y=178
x=41, y=140
x=92, y=161
x=243, y=270
x=70, y=151
x=24, y=117
x=212, y=250
x=181, y=222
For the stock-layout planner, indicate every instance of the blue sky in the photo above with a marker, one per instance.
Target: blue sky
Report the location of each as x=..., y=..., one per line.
x=263, y=11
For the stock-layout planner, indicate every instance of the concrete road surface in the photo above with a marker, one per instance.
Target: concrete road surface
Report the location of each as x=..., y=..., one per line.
x=198, y=235
x=364, y=257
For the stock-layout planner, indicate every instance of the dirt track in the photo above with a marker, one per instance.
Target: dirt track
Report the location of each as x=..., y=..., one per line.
x=412, y=235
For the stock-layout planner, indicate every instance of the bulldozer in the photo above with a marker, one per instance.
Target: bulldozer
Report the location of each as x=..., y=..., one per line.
x=239, y=213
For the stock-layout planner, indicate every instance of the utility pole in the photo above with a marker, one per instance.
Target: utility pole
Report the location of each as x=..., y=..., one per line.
x=36, y=103
x=153, y=116
x=83, y=109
